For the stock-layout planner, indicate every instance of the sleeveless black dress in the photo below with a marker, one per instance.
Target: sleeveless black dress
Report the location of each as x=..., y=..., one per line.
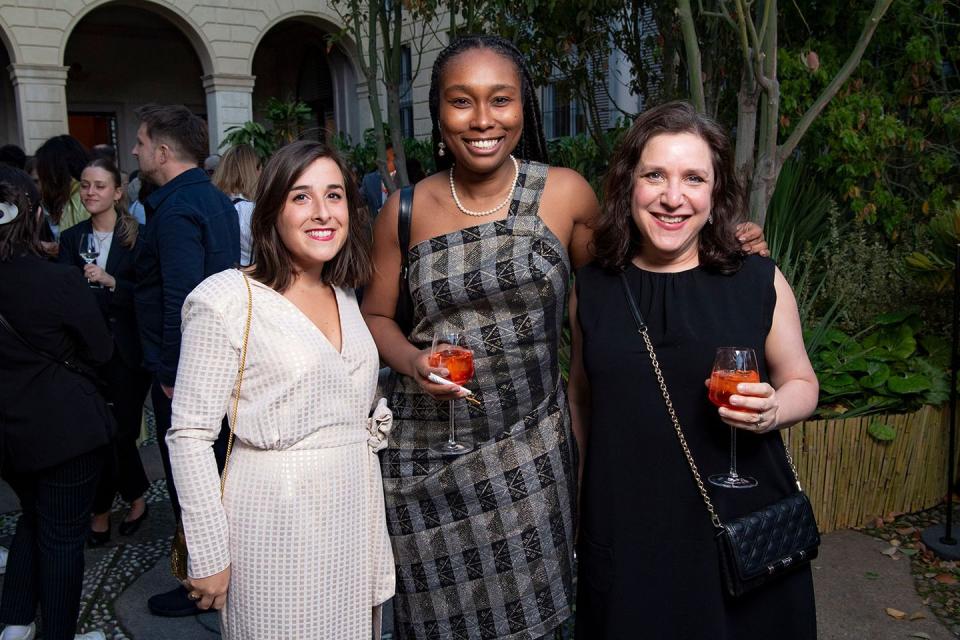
x=648, y=563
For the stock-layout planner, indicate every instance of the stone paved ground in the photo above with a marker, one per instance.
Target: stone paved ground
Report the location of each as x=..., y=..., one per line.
x=854, y=581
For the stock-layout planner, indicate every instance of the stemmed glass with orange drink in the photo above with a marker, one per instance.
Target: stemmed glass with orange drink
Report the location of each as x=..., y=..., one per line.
x=732, y=366
x=449, y=351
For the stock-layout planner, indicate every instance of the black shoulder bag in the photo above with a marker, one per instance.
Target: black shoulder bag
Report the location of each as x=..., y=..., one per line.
x=760, y=546
x=71, y=365
x=404, y=313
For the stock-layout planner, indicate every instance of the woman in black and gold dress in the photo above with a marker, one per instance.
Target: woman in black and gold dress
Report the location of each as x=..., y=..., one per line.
x=648, y=564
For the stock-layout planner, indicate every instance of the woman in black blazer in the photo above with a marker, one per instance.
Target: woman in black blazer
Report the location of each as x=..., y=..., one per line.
x=55, y=427
x=112, y=277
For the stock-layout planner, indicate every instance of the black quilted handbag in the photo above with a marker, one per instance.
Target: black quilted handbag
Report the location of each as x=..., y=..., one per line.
x=765, y=544
x=760, y=546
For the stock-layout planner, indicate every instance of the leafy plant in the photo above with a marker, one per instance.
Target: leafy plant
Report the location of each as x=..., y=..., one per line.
x=253, y=134
x=891, y=367
x=288, y=119
x=935, y=265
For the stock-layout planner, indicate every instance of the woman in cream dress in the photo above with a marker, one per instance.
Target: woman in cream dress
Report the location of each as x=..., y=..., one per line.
x=298, y=547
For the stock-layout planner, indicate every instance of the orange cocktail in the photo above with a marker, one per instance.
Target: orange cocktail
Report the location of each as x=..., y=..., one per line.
x=457, y=360
x=723, y=384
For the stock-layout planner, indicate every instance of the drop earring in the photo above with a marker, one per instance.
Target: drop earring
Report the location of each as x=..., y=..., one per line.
x=441, y=149
x=709, y=218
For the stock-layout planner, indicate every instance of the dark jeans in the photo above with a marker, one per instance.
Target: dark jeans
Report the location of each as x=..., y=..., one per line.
x=162, y=413
x=45, y=565
x=123, y=472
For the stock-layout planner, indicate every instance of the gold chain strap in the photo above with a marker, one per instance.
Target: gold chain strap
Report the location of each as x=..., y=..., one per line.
x=642, y=330
x=243, y=365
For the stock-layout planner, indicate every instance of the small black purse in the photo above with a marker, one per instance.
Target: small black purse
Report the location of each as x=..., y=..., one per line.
x=760, y=546
x=403, y=315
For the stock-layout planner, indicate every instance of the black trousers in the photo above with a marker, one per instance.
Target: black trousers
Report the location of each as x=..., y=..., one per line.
x=45, y=565
x=123, y=472
x=162, y=413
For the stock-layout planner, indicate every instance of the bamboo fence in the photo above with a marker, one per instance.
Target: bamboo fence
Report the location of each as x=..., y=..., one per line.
x=852, y=478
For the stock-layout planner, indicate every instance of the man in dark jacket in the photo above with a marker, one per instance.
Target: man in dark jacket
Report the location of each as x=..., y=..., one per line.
x=192, y=233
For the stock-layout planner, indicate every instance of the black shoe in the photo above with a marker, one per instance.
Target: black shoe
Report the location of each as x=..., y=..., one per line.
x=98, y=538
x=175, y=604
x=129, y=527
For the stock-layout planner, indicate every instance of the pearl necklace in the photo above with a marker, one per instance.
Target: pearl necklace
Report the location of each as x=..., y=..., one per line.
x=480, y=214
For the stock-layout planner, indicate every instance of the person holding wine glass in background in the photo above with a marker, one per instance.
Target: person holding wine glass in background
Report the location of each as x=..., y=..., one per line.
x=648, y=563
x=113, y=234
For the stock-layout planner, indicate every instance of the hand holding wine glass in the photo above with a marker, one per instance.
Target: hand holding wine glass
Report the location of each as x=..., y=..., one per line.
x=90, y=251
x=449, y=352
x=732, y=367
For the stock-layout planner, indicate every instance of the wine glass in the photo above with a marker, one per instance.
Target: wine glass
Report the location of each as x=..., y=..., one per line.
x=732, y=366
x=90, y=251
x=448, y=351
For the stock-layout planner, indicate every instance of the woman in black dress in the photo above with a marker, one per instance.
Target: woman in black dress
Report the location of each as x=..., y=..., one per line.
x=648, y=563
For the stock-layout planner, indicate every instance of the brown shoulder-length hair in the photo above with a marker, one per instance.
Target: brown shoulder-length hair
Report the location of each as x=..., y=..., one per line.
x=616, y=238
x=237, y=171
x=272, y=262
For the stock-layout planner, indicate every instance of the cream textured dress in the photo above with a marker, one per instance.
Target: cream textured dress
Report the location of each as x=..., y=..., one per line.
x=302, y=519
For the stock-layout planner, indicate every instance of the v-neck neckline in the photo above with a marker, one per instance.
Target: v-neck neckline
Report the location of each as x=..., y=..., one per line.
x=339, y=300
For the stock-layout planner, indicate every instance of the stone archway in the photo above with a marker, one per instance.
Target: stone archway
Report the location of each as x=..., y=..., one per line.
x=295, y=60
x=121, y=56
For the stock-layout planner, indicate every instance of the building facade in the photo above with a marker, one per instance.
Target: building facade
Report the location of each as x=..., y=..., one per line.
x=83, y=66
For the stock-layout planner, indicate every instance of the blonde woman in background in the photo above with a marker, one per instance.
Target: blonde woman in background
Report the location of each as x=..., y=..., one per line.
x=237, y=176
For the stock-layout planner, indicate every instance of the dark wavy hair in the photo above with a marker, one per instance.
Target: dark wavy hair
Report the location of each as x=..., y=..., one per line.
x=22, y=235
x=127, y=227
x=616, y=238
x=533, y=143
x=272, y=262
x=60, y=160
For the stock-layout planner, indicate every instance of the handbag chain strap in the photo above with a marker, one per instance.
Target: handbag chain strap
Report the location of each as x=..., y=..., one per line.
x=243, y=366
x=642, y=330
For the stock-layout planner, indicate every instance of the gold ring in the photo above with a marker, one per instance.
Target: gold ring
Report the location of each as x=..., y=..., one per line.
x=194, y=596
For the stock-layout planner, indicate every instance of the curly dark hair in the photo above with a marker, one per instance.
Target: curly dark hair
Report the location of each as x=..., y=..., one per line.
x=533, y=143
x=616, y=238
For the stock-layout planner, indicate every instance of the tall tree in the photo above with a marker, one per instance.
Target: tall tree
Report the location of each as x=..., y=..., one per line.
x=378, y=29
x=759, y=153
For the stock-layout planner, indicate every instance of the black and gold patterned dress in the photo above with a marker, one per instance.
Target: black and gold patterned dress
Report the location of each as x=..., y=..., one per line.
x=484, y=541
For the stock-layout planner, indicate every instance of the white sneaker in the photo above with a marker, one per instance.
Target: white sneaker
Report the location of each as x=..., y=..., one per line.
x=19, y=632
x=90, y=635
x=3, y=560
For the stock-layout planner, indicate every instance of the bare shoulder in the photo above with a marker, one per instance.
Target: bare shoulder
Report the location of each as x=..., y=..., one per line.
x=568, y=191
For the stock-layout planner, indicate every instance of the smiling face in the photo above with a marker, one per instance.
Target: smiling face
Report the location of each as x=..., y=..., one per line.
x=672, y=193
x=481, y=109
x=98, y=190
x=314, y=222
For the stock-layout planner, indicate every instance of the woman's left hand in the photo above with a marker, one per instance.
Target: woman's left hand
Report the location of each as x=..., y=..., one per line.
x=94, y=273
x=759, y=403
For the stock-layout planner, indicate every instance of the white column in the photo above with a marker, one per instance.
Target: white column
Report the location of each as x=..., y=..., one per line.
x=40, y=91
x=229, y=103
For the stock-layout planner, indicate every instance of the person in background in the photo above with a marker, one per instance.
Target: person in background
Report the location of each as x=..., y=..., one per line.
x=113, y=274
x=192, y=233
x=236, y=176
x=59, y=163
x=12, y=155
x=647, y=560
x=372, y=187
x=210, y=164
x=105, y=151
x=55, y=426
x=302, y=508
